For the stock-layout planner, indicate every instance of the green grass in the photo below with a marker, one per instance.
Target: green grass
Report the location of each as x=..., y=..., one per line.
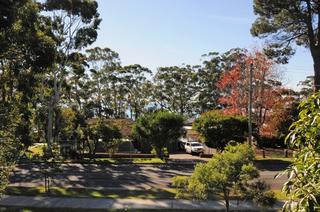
x=94, y=193
x=283, y=159
x=280, y=195
x=126, y=160
x=36, y=150
x=166, y=193
x=16, y=209
x=106, y=160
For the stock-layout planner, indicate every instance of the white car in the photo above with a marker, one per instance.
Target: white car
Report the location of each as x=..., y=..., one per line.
x=194, y=147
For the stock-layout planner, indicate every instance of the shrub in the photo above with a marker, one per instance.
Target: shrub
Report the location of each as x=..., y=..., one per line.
x=304, y=173
x=181, y=184
x=271, y=142
x=217, y=129
x=158, y=129
x=100, y=132
x=232, y=171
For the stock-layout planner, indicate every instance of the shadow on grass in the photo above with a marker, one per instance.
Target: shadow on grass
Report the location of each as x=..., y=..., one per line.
x=15, y=209
x=272, y=164
x=93, y=193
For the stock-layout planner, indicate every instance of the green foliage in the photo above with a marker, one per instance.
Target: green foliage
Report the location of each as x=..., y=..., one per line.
x=218, y=129
x=287, y=22
x=281, y=19
x=67, y=123
x=256, y=192
x=304, y=173
x=174, y=88
x=306, y=86
x=100, y=132
x=158, y=129
x=164, y=151
x=232, y=171
x=9, y=153
x=180, y=181
x=26, y=50
x=207, y=77
x=118, y=88
x=36, y=151
x=271, y=142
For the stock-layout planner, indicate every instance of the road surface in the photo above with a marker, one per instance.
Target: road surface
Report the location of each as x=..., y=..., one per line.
x=118, y=176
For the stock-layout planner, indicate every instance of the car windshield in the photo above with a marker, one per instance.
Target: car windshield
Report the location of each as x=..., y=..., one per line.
x=196, y=144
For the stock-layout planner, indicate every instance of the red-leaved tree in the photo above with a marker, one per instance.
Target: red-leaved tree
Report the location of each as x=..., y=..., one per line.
x=234, y=88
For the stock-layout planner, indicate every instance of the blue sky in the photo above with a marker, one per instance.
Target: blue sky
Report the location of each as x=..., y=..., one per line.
x=157, y=33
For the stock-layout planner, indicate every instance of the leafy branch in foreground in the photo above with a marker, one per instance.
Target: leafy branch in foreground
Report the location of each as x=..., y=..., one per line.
x=304, y=173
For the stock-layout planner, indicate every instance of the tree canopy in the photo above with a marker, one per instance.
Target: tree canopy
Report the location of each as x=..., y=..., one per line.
x=218, y=129
x=158, y=129
x=232, y=171
x=286, y=22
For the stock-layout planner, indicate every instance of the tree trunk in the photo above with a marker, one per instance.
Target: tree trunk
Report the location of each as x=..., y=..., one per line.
x=50, y=124
x=317, y=75
x=57, y=123
x=226, y=199
x=137, y=113
x=316, y=66
x=159, y=152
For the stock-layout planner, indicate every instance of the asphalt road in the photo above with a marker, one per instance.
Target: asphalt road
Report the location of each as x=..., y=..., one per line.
x=119, y=176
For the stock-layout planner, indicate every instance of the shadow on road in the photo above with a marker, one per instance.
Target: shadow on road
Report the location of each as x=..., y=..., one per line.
x=272, y=165
x=101, y=175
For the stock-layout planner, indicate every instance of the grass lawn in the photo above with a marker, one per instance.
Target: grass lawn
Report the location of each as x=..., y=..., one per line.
x=36, y=150
x=280, y=159
x=126, y=160
x=167, y=193
x=280, y=195
x=13, y=209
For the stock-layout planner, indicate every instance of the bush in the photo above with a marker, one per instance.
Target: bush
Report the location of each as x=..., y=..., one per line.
x=181, y=184
x=273, y=142
x=230, y=172
x=259, y=193
x=101, y=132
x=217, y=129
x=158, y=129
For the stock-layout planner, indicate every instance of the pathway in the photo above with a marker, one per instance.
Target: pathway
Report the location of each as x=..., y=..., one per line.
x=99, y=203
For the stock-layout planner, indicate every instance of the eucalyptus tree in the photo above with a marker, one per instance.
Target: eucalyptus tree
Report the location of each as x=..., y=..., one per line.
x=26, y=50
x=135, y=78
x=74, y=25
x=104, y=67
x=208, y=75
x=174, y=89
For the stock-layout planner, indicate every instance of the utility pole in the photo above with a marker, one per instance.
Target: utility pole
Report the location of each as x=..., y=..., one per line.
x=250, y=104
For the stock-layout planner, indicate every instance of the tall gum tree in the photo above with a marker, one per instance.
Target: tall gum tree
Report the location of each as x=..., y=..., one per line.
x=26, y=51
x=286, y=22
x=74, y=25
